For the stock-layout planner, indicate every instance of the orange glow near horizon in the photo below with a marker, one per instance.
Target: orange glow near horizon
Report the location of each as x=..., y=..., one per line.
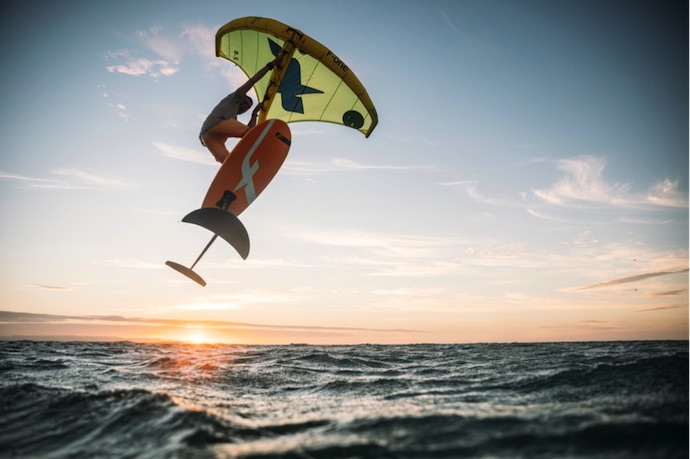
x=199, y=335
x=196, y=338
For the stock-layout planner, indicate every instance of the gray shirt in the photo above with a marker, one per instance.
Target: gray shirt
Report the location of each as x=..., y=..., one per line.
x=226, y=108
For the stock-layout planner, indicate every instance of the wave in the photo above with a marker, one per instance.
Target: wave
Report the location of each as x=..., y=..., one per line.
x=168, y=401
x=669, y=372
x=108, y=423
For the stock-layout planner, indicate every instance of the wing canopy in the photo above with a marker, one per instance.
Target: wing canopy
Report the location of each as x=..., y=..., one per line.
x=311, y=84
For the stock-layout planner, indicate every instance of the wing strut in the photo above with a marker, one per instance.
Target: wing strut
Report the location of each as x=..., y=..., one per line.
x=276, y=77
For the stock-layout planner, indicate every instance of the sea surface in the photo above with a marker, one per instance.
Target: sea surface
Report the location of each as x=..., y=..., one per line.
x=558, y=400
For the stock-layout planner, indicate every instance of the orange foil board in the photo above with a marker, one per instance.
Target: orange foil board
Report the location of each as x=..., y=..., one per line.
x=251, y=165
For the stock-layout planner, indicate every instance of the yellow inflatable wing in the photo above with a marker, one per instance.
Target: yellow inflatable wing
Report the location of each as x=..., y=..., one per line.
x=310, y=84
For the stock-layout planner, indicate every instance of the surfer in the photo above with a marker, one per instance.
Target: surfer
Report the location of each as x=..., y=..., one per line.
x=222, y=123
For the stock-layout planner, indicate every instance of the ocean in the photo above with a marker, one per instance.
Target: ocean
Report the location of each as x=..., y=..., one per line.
x=554, y=400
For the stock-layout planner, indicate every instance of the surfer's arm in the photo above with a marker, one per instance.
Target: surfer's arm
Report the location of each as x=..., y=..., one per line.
x=259, y=75
x=255, y=114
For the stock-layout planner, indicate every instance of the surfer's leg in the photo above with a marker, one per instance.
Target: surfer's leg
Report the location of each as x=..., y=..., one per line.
x=229, y=128
x=216, y=145
x=215, y=138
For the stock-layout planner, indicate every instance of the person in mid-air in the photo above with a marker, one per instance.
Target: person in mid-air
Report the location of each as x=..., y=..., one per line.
x=222, y=123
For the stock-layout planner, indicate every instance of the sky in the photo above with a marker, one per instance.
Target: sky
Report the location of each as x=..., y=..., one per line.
x=527, y=181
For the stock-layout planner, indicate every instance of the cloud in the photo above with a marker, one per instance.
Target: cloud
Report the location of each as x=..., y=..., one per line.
x=201, y=40
x=50, y=287
x=417, y=269
x=165, y=61
x=34, y=182
x=305, y=168
x=497, y=251
x=162, y=51
x=342, y=163
x=390, y=244
x=166, y=47
x=9, y=317
x=471, y=188
x=629, y=279
x=386, y=254
x=450, y=24
x=185, y=154
x=666, y=194
x=74, y=179
x=599, y=325
x=122, y=111
x=132, y=263
x=590, y=325
x=584, y=182
x=543, y=216
x=88, y=179
x=668, y=293
x=141, y=66
x=666, y=307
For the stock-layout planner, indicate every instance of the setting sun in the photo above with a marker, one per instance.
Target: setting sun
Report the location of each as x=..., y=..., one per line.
x=197, y=338
x=195, y=335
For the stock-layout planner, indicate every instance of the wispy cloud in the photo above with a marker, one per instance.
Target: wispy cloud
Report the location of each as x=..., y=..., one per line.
x=584, y=182
x=73, y=179
x=386, y=254
x=600, y=325
x=428, y=268
x=450, y=24
x=201, y=40
x=162, y=51
x=185, y=154
x=471, y=188
x=666, y=307
x=132, y=263
x=34, y=182
x=164, y=61
x=667, y=293
x=9, y=317
x=399, y=245
x=589, y=325
x=239, y=299
x=343, y=165
x=121, y=109
x=629, y=279
x=544, y=216
x=90, y=179
x=50, y=287
x=497, y=250
x=138, y=67
x=666, y=194
x=348, y=164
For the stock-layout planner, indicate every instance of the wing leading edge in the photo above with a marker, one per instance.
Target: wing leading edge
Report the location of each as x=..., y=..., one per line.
x=311, y=84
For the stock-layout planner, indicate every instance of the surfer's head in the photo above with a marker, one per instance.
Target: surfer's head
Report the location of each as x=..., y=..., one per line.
x=245, y=105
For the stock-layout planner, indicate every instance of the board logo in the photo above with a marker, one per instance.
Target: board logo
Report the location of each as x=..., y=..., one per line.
x=248, y=169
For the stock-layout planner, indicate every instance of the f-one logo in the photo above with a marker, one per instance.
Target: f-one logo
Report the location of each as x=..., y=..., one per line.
x=248, y=169
x=337, y=61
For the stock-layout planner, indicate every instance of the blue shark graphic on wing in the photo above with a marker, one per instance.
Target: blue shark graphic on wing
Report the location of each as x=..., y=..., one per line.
x=291, y=88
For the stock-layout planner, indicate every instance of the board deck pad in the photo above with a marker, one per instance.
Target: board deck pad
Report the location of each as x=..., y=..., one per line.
x=251, y=165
